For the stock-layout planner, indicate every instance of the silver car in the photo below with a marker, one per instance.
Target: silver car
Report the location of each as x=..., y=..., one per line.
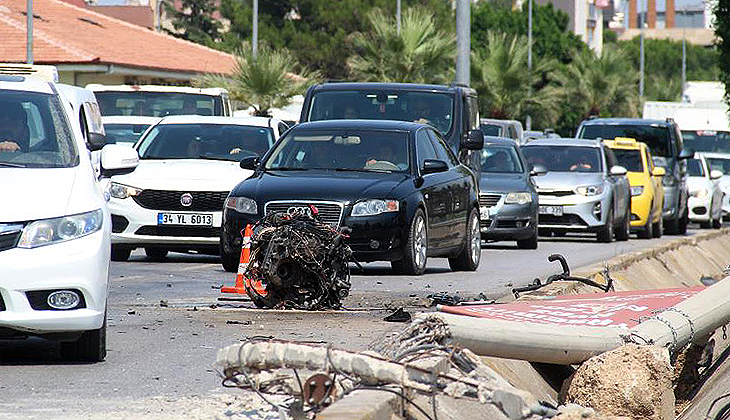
x=584, y=190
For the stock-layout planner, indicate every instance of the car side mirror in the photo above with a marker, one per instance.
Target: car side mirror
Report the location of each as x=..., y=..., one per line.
x=715, y=174
x=431, y=166
x=618, y=170
x=658, y=171
x=118, y=159
x=538, y=170
x=686, y=154
x=250, y=162
x=474, y=140
x=96, y=141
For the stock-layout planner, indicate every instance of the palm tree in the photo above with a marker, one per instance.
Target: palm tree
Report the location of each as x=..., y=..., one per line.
x=506, y=89
x=268, y=81
x=604, y=85
x=420, y=53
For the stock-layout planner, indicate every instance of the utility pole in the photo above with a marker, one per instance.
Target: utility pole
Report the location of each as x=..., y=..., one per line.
x=528, y=120
x=641, y=55
x=684, y=53
x=255, y=40
x=29, y=31
x=397, y=15
x=463, y=41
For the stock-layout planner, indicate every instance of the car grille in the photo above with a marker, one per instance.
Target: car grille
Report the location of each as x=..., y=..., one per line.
x=564, y=220
x=183, y=231
x=329, y=212
x=556, y=193
x=9, y=240
x=485, y=223
x=119, y=223
x=170, y=200
x=489, y=200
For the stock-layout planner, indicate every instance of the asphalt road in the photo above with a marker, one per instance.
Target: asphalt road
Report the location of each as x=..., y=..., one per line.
x=163, y=332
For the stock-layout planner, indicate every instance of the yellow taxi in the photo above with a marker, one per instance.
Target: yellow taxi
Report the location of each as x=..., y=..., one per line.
x=647, y=193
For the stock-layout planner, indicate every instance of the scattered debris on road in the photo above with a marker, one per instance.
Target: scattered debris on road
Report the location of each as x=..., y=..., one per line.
x=398, y=316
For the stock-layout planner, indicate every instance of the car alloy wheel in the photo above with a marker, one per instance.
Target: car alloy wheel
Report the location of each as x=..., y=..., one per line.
x=415, y=252
x=419, y=242
x=470, y=255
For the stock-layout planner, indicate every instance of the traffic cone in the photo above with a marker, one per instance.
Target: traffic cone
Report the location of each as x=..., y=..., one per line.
x=240, y=288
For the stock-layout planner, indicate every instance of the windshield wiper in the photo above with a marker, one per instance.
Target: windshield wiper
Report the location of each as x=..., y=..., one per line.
x=385, y=171
x=214, y=158
x=12, y=165
x=286, y=169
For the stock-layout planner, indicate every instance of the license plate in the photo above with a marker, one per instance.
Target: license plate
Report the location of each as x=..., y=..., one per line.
x=552, y=210
x=186, y=219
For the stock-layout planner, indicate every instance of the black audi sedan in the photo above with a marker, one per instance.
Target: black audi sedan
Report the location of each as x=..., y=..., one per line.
x=396, y=185
x=508, y=197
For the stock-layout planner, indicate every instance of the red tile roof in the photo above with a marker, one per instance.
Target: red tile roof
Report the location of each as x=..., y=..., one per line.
x=67, y=34
x=138, y=15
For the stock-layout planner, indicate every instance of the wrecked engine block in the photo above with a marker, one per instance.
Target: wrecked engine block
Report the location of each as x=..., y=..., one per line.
x=298, y=262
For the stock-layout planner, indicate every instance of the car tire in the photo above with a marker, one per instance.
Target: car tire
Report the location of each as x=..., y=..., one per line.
x=622, y=234
x=469, y=257
x=647, y=232
x=683, y=222
x=529, y=243
x=658, y=227
x=155, y=254
x=90, y=347
x=229, y=261
x=717, y=223
x=416, y=249
x=605, y=235
x=121, y=253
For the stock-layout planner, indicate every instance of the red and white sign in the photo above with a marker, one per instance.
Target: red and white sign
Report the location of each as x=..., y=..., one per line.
x=617, y=309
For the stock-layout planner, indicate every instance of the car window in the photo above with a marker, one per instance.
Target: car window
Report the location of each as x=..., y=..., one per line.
x=707, y=141
x=649, y=161
x=629, y=159
x=205, y=141
x=473, y=108
x=694, y=167
x=424, y=147
x=157, y=104
x=657, y=137
x=563, y=158
x=434, y=108
x=611, y=160
x=124, y=133
x=442, y=150
x=355, y=150
x=491, y=130
x=500, y=159
x=35, y=127
x=720, y=164
x=282, y=128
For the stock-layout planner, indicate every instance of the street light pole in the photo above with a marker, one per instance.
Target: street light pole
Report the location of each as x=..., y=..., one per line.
x=641, y=57
x=255, y=37
x=684, y=54
x=463, y=41
x=528, y=119
x=397, y=15
x=29, y=32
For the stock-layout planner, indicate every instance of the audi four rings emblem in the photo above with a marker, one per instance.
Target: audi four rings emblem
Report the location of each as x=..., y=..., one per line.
x=304, y=210
x=186, y=200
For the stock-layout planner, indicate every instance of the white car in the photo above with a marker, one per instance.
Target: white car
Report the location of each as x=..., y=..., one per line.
x=126, y=129
x=173, y=201
x=721, y=162
x=705, y=196
x=54, y=223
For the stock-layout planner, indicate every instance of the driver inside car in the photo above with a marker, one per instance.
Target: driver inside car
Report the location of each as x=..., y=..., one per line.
x=14, y=133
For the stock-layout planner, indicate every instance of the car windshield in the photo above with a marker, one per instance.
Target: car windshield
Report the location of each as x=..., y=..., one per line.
x=124, y=133
x=491, y=130
x=355, y=150
x=427, y=107
x=34, y=132
x=707, y=141
x=720, y=164
x=157, y=104
x=500, y=159
x=563, y=158
x=694, y=167
x=629, y=159
x=205, y=141
x=656, y=137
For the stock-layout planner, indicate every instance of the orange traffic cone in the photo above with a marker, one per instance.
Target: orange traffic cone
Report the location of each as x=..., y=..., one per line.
x=242, y=264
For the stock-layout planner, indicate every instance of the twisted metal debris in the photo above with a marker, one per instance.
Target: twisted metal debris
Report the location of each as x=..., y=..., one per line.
x=301, y=261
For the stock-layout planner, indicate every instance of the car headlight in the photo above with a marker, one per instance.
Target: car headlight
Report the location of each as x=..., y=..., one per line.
x=60, y=229
x=518, y=198
x=243, y=205
x=637, y=190
x=589, y=190
x=373, y=207
x=700, y=193
x=122, y=191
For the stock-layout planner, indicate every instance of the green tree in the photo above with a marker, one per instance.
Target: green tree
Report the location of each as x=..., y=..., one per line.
x=506, y=90
x=722, y=32
x=195, y=21
x=420, y=53
x=269, y=81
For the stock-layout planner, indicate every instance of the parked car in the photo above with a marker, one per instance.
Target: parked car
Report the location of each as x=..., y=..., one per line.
x=397, y=185
x=585, y=189
x=667, y=149
x=188, y=165
x=452, y=110
x=54, y=222
x=126, y=129
x=645, y=179
x=502, y=128
x=721, y=162
x=508, y=201
x=705, y=194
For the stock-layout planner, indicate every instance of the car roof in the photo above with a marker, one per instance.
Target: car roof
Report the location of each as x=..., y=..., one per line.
x=129, y=119
x=498, y=121
x=716, y=155
x=207, y=119
x=390, y=86
x=24, y=84
x=154, y=88
x=563, y=142
x=625, y=121
x=502, y=141
x=361, y=125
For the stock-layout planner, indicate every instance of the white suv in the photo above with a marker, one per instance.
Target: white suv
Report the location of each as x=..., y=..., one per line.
x=54, y=222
